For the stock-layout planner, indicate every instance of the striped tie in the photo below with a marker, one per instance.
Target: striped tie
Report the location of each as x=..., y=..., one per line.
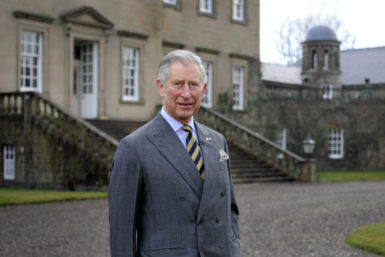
x=194, y=151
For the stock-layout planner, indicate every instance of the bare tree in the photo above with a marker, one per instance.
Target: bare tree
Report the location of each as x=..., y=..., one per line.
x=292, y=34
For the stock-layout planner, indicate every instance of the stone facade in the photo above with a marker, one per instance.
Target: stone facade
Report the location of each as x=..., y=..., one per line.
x=151, y=27
x=99, y=60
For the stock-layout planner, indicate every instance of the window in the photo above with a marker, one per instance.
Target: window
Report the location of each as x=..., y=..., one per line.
x=206, y=6
x=326, y=60
x=9, y=162
x=238, y=72
x=314, y=60
x=238, y=10
x=207, y=96
x=172, y=2
x=130, y=74
x=327, y=91
x=281, y=140
x=336, y=143
x=31, y=53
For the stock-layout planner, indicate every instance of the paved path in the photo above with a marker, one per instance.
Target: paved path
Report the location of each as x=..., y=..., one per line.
x=276, y=220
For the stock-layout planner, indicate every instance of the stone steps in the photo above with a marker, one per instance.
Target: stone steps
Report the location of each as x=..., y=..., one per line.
x=245, y=168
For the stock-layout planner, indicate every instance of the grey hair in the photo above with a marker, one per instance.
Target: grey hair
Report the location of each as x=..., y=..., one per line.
x=183, y=56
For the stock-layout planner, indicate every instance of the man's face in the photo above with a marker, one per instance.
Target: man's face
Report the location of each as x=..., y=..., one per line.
x=182, y=93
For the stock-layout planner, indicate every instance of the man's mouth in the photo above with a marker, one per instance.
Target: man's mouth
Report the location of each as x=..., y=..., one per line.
x=185, y=105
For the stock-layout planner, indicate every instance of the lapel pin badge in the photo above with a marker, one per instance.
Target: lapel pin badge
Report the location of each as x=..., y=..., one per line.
x=208, y=139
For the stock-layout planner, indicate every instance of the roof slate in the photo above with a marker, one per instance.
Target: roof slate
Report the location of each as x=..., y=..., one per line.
x=356, y=66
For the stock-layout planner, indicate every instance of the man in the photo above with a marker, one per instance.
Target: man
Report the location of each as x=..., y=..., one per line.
x=171, y=192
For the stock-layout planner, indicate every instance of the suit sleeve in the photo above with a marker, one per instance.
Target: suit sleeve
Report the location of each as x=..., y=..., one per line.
x=123, y=200
x=234, y=213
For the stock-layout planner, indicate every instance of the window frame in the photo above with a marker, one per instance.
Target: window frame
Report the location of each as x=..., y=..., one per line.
x=27, y=61
x=336, y=143
x=326, y=60
x=314, y=59
x=139, y=43
x=210, y=4
x=281, y=140
x=208, y=94
x=9, y=164
x=241, y=18
x=327, y=91
x=175, y=4
x=135, y=87
x=238, y=104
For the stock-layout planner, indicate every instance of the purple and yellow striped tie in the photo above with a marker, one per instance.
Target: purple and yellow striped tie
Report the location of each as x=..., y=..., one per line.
x=193, y=149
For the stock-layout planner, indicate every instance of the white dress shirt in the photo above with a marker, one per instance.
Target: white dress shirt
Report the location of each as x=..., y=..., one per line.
x=177, y=126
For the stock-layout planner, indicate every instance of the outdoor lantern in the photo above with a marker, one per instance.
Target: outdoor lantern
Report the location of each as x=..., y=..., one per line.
x=308, y=145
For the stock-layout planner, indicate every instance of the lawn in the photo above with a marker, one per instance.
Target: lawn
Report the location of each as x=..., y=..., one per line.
x=10, y=196
x=351, y=175
x=369, y=238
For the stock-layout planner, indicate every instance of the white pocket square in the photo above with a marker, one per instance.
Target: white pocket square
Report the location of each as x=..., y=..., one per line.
x=223, y=156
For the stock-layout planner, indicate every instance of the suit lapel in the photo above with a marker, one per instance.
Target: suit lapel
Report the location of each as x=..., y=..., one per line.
x=210, y=153
x=169, y=145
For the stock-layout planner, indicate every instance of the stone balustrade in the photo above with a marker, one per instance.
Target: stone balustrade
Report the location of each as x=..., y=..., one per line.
x=359, y=93
x=32, y=109
x=258, y=145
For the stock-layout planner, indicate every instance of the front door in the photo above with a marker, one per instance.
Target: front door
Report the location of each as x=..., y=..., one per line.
x=87, y=54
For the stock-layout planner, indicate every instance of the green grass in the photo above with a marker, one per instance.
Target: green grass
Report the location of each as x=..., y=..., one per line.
x=351, y=175
x=369, y=238
x=10, y=196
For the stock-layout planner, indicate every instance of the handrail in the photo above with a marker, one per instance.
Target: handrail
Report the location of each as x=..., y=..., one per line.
x=253, y=142
x=253, y=133
x=81, y=121
x=33, y=109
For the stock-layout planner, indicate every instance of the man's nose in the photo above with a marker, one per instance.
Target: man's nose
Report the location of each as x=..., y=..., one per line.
x=186, y=90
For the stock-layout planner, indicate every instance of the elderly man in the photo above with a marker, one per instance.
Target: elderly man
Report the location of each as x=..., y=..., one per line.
x=171, y=192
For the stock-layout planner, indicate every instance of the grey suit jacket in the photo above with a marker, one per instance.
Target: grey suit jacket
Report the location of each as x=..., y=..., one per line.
x=159, y=205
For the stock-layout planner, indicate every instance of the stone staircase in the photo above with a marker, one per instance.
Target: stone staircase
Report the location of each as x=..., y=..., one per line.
x=116, y=128
x=245, y=167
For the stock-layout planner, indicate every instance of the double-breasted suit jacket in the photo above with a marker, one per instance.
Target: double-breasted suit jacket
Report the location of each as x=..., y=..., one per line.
x=159, y=205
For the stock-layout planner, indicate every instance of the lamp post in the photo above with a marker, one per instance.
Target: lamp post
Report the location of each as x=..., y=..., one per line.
x=308, y=145
x=309, y=169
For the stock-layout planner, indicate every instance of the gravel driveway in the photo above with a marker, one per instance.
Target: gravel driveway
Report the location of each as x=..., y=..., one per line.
x=276, y=220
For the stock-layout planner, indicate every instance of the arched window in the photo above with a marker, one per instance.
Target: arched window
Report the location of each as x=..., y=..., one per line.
x=314, y=59
x=326, y=60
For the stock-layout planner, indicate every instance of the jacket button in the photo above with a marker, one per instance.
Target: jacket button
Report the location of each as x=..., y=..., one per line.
x=222, y=194
x=221, y=245
x=217, y=220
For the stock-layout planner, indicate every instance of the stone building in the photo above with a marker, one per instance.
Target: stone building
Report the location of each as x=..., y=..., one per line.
x=69, y=64
x=92, y=59
x=336, y=96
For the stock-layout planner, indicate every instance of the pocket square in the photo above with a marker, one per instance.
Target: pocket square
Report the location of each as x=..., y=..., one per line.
x=223, y=156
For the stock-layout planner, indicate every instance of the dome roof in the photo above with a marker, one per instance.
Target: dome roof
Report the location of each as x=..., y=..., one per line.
x=321, y=33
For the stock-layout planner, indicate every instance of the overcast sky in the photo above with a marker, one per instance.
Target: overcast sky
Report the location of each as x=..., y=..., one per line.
x=363, y=19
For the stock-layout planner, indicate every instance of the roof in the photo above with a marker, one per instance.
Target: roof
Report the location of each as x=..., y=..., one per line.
x=320, y=33
x=280, y=73
x=359, y=64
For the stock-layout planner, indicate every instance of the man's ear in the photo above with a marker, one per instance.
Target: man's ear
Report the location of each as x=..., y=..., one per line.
x=204, y=88
x=160, y=87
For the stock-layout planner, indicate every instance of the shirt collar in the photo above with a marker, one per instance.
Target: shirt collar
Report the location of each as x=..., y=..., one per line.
x=175, y=125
